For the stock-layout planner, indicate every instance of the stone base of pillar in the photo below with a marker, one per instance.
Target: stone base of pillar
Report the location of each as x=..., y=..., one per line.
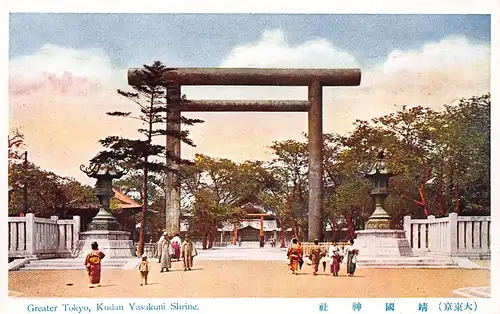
x=115, y=244
x=382, y=243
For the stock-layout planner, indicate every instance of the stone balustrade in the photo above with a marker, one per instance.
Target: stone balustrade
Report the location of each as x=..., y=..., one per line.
x=32, y=236
x=462, y=236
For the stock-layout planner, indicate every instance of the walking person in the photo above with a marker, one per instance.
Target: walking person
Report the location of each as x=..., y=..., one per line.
x=93, y=265
x=315, y=256
x=188, y=252
x=166, y=259
x=272, y=241
x=294, y=253
x=144, y=269
x=239, y=240
x=351, y=254
x=159, y=246
x=335, y=256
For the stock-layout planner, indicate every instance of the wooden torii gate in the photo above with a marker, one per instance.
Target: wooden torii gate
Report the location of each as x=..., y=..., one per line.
x=315, y=79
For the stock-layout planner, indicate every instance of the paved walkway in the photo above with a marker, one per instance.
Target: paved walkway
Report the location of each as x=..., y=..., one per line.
x=243, y=253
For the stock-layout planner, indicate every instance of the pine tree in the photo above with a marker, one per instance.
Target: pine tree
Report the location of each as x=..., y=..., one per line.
x=143, y=154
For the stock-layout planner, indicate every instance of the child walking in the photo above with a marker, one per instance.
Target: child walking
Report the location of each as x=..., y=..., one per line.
x=144, y=270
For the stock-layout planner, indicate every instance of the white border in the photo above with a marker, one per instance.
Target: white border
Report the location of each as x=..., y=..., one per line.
x=257, y=6
x=290, y=6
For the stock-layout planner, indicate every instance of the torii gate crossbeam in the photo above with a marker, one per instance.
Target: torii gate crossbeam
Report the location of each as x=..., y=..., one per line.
x=315, y=79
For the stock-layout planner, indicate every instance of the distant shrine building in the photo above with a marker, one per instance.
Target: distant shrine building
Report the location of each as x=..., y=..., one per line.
x=257, y=219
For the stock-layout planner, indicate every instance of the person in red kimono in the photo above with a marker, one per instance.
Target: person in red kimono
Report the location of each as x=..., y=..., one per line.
x=93, y=265
x=295, y=255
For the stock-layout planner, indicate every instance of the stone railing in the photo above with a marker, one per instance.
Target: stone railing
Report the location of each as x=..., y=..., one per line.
x=464, y=236
x=150, y=249
x=31, y=236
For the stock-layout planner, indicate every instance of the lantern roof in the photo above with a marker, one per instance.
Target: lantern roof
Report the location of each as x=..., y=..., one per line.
x=380, y=166
x=96, y=170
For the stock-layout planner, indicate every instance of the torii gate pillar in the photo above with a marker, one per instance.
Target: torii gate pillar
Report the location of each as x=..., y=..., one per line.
x=315, y=79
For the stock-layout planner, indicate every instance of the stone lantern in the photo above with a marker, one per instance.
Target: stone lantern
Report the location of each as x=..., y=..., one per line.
x=104, y=173
x=378, y=241
x=379, y=175
x=104, y=228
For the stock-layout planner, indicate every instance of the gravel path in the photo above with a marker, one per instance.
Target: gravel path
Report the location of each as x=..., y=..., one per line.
x=247, y=279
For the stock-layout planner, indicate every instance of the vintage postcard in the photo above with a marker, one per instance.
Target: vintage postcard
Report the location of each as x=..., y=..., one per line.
x=321, y=161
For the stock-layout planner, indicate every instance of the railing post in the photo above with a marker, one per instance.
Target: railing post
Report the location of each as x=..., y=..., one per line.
x=76, y=230
x=432, y=234
x=54, y=234
x=30, y=234
x=407, y=227
x=452, y=233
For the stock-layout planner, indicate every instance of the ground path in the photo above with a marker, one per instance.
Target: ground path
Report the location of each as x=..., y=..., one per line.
x=244, y=278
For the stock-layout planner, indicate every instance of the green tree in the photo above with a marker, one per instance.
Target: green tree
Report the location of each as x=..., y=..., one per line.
x=218, y=188
x=150, y=96
x=155, y=216
x=48, y=193
x=287, y=185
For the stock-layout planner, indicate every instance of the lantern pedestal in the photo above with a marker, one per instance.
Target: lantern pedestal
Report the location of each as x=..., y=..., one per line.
x=382, y=243
x=113, y=243
x=105, y=230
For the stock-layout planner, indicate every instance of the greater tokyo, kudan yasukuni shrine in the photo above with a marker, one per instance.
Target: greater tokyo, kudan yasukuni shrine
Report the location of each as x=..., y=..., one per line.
x=314, y=79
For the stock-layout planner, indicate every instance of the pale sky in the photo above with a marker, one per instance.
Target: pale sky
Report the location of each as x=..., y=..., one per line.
x=65, y=69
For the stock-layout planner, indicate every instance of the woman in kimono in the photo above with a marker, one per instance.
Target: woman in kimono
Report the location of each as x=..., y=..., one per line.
x=294, y=253
x=188, y=252
x=335, y=256
x=176, y=246
x=351, y=254
x=93, y=265
x=315, y=256
x=166, y=252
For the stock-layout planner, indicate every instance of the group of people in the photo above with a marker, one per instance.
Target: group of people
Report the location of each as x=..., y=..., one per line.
x=336, y=256
x=167, y=249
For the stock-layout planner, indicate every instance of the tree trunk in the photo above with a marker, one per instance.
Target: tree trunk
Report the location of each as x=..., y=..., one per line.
x=235, y=234
x=350, y=226
x=282, y=232
x=333, y=225
x=442, y=203
x=140, y=247
x=204, y=237
x=457, y=200
x=213, y=231
x=294, y=228
x=423, y=201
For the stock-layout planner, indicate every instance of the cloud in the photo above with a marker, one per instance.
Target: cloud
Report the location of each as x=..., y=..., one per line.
x=436, y=74
x=91, y=64
x=59, y=96
x=58, y=99
x=272, y=50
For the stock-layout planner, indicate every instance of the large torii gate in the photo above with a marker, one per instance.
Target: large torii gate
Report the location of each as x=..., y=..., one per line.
x=315, y=79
